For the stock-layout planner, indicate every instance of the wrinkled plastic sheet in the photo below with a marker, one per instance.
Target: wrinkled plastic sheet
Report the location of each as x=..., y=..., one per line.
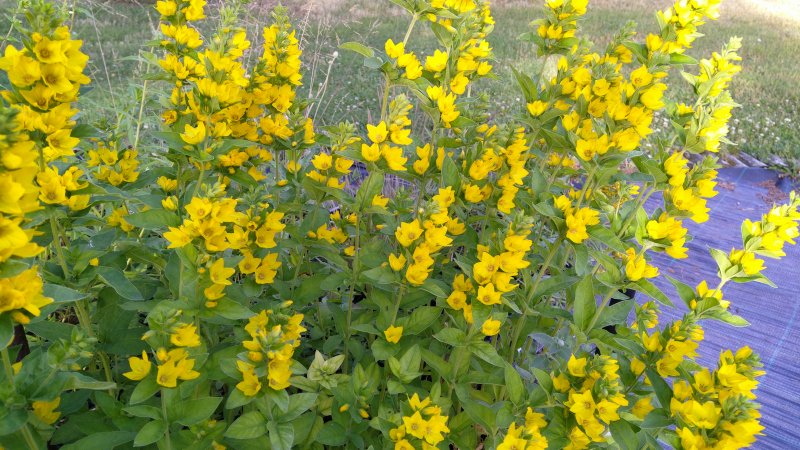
x=774, y=314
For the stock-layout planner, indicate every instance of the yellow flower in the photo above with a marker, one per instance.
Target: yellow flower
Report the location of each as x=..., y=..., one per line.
x=397, y=263
x=166, y=7
x=408, y=232
x=377, y=133
x=194, y=135
x=371, y=153
x=537, y=108
x=45, y=410
x=167, y=184
x=140, y=367
x=491, y=327
x=250, y=384
x=219, y=273
x=582, y=404
x=636, y=266
x=436, y=62
x=393, y=50
x=265, y=274
x=576, y=366
x=185, y=335
x=393, y=334
x=488, y=296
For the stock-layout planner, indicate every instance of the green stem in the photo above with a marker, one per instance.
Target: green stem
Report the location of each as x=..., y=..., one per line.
x=166, y=420
x=599, y=311
x=397, y=302
x=57, y=239
x=539, y=276
x=356, y=267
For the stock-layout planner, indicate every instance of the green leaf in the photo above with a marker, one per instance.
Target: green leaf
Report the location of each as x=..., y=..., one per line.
x=624, y=435
x=721, y=258
x=115, y=279
x=663, y=391
x=434, y=288
x=648, y=288
x=146, y=411
x=281, y=435
x=249, y=425
x=420, y=319
x=370, y=187
x=486, y=352
x=680, y=58
x=12, y=268
x=451, y=336
x=146, y=388
x=232, y=310
x=726, y=317
x=585, y=303
x=615, y=314
x=193, y=411
x=685, y=292
x=657, y=419
x=153, y=219
x=6, y=330
x=79, y=381
x=104, y=440
x=514, y=384
x=298, y=404
x=359, y=48
x=332, y=434
x=451, y=176
x=150, y=433
x=62, y=294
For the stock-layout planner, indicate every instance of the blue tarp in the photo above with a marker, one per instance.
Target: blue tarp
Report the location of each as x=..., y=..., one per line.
x=774, y=314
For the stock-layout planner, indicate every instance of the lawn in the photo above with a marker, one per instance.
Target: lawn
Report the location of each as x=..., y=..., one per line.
x=115, y=33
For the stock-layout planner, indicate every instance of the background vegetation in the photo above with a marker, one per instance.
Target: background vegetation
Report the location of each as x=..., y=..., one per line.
x=768, y=85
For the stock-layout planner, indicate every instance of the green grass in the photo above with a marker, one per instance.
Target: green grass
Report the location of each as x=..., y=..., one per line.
x=767, y=88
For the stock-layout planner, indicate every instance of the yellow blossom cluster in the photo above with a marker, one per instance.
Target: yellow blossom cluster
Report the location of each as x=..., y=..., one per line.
x=560, y=23
x=680, y=24
x=593, y=393
x=220, y=227
x=18, y=190
x=422, y=238
x=273, y=338
x=715, y=409
x=577, y=219
x=112, y=167
x=424, y=427
x=173, y=365
x=46, y=75
x=21, y=296
x=667, y=349
x=528, y=436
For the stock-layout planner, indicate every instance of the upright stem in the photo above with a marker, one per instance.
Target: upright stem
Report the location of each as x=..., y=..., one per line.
x=539, y=276
x=356, y=268
x=599, y=311
x=80, y=309
x=164, y=414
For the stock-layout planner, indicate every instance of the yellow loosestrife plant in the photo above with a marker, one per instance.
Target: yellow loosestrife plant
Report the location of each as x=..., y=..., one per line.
x=229, y=282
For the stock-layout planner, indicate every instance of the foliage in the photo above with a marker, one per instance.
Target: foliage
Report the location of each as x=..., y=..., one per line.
x=254, y=282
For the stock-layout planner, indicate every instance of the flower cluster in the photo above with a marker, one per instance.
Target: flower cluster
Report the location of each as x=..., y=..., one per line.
x=46, y=74
x=593, y=394
x=111, y=167
x=424, y=425
x=273, y=339
x=716, y=409
x=528, y=436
